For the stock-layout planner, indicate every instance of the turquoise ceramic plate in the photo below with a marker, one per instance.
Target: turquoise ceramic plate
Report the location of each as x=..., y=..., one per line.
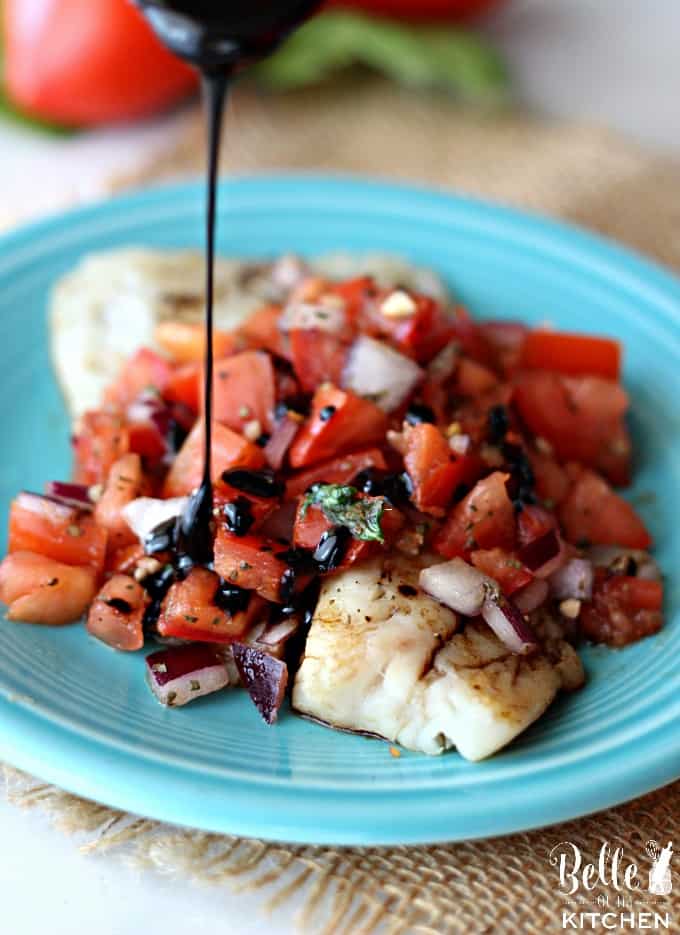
x=79, y=715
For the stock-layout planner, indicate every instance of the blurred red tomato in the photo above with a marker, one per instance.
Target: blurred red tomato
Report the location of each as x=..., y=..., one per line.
x=84, y=62
x=422, y=9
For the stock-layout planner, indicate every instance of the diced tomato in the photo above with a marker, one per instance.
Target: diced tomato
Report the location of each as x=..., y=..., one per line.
x=623, y=610
x=258, y=508
x=420, y=335
x=244, y=389
x=339, y=420
x=504, y=567
x=551, y=480
x=593, y=513
x=41, y=590
x=124, y=560
x=184, y=386
x=228, y=450
x=68, y=535
x=336, y=471
x=125, y=483
x=431, y=467
x=533, y=523
x=117, y=613
x=313, y=524
x=184, y=342
x=101, y=438
x=581, y=417
x=189, y=611
x=506, y=338
x=256, y=563
x=355, y=293
x=317, y=357
x=474, y=379
x=472, y=339
x=144, y=370
x=571, y=354
x=261, y=330
x=485, y=519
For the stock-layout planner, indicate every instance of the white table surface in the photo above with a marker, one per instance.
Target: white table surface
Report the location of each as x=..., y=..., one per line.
x=609, y=61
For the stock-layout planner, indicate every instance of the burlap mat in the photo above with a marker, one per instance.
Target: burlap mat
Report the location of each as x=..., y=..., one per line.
x=501, y=886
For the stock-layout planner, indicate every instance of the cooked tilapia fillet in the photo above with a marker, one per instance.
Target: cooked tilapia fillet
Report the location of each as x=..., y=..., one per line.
x=382, y=659
x=110, y=304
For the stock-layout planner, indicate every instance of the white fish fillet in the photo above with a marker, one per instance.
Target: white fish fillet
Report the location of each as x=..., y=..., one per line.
x=110, y=304
x=384, y=661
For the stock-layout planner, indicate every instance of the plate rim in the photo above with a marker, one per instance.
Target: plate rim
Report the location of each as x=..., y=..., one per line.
x=58, y=741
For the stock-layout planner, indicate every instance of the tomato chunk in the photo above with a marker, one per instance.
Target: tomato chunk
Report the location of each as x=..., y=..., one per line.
x=101, y=438
x=474, y=379
x=593, y=513
x=317, y=357
x=311, y=524
x=228, y=450
x=504, y=567
x=261, y=330
x=623, y=610
x=117, y=613
x=581, y=417
x=125, y=483
x=143, y=371
x=184, y=342
x=191, y=610
x=431, y=466
x=41, y=590
x=571, y=354
x=551, y=480
x=64, y=533
x=244, y=390
x=256, y=563
x=245, y=511
x=484, y=519
x=337, y=471
x=184, y=386
x=339, y=420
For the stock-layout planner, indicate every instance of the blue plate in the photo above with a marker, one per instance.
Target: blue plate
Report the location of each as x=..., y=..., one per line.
x=78, y=714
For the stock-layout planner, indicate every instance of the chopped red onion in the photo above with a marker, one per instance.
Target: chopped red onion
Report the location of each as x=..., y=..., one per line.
x=545, y=555
x=532, y=596
x=177, y=676
x=457, y=585
x=74, y=495
x=287, y=272
x=509, y=625
x=378, y=372
x=314, y=316
x=264, y=678
x=574, y=580
x=279, y=524
x=37, y=503
x=281, y=439
x=278, y=633
x=145, y=513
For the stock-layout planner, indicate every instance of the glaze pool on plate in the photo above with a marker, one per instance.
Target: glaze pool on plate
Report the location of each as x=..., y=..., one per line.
x=79, y=714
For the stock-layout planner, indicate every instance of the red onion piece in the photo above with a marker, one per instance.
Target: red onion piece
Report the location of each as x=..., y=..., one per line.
x=532, y=596
x=177, y=676
x=264, y=678
x=281, y=439
x=377, y=371
x=278, y=633
x=49, y=506
x=74, y=495
x=573, y=580
x=457, y=585
x=611, y=556
x=145, y=513
x=279, y=524
x=509, y=625
x=540, y=551
x=286, y=273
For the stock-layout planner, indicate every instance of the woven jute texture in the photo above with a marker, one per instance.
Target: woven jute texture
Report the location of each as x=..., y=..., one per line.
x=507, y=885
